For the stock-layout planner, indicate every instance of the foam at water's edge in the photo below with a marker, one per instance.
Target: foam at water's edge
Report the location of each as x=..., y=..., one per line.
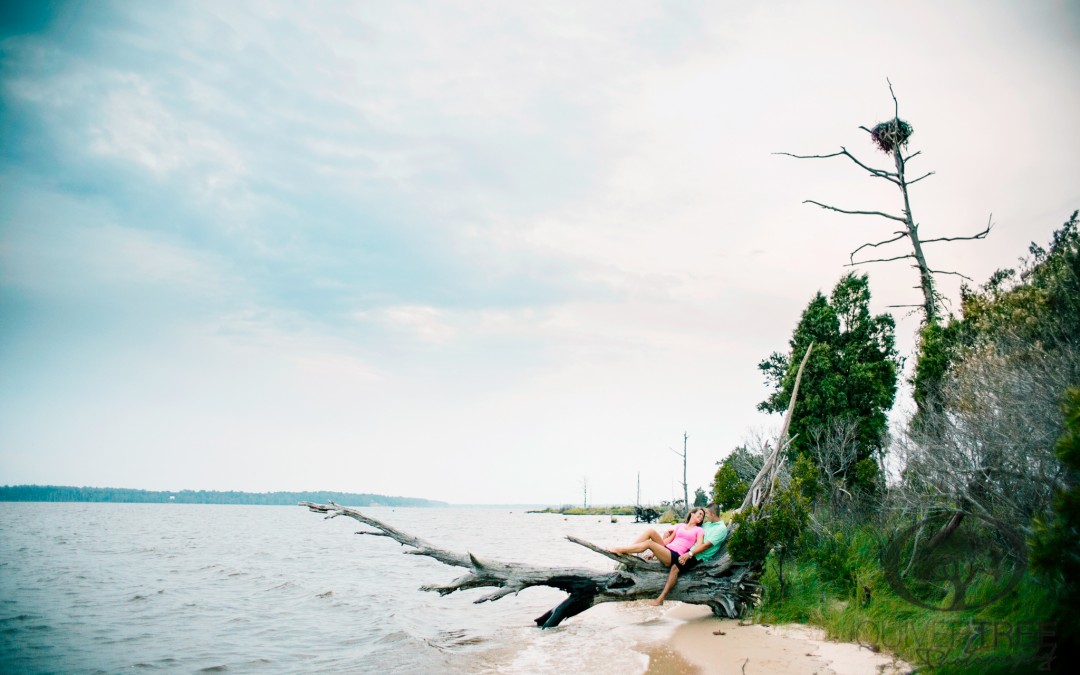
x=611, y=637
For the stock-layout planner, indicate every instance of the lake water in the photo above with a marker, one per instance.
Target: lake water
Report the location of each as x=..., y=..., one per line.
x=92, y=587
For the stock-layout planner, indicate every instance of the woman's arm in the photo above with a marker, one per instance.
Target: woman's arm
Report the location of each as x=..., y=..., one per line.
x=670, y=534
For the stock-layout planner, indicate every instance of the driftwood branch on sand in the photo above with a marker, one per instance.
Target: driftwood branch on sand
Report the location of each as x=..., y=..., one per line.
x=728, y=587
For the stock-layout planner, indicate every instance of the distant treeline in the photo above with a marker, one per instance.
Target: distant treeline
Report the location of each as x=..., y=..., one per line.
x=60, y=493
x=588, y=511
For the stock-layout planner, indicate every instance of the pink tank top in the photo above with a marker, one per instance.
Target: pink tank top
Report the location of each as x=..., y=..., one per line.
x=685, y=537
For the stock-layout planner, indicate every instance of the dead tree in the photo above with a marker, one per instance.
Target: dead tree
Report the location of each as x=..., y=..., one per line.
x=891, y=137
x=685, y=487
x=727, y=586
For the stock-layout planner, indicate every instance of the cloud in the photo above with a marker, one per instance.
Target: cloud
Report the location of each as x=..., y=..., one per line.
x=532, y=237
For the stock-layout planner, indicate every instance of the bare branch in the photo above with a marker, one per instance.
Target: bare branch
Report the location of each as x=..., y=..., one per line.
x=925, y=175
x=980, y=235
x=898, y=237
x=878, y=260
x=912, y=156
x=844, y=153
x=857, y=213
x=896, y=104
x=953, y=273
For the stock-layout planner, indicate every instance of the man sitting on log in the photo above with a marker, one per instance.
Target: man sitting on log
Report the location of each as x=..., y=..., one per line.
x=715, y=532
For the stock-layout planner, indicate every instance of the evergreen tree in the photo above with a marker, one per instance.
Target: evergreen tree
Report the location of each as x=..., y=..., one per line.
x=1055, y=544
x=851, y=374
x=700, y=498
x=728, y=489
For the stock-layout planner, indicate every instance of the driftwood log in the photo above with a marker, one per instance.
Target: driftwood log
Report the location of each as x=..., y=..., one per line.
x=728, y=587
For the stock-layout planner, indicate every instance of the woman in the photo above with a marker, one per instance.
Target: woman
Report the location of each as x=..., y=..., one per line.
x=670, y=546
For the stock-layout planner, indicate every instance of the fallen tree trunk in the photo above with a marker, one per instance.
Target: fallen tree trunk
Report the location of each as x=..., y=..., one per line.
x=726, y=586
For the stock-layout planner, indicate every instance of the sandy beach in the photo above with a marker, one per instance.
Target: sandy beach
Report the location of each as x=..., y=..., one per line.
x=704, y=644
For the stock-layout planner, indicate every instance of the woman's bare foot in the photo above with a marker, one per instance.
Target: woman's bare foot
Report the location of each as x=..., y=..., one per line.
x=617, y=550
x=656, y=603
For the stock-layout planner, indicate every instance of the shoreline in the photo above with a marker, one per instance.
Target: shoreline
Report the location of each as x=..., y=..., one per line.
x=704, y=644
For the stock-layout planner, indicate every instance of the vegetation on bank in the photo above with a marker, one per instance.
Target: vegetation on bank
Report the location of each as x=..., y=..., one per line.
x=1016, y=634
x=588, y=511
x=968, y=559
x=59, y=493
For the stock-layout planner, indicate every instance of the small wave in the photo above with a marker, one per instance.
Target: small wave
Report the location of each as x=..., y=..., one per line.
x=328, y=594
x=453, y=639
x=394, y=638
x=20, y=617
x=213, y=669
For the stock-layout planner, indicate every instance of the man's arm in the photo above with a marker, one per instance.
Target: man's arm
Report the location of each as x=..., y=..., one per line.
x=704, y=543
x=700, y=545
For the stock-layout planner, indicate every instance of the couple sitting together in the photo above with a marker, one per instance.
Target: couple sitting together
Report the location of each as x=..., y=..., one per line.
x=688, y=545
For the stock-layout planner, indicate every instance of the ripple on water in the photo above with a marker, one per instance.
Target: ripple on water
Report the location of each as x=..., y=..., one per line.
x=241, y=592
x=17, y=617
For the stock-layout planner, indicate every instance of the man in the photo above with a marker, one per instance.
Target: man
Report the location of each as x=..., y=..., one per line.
x=715, y=532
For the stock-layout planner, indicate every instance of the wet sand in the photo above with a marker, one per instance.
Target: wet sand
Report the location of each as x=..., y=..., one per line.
x=706, y=645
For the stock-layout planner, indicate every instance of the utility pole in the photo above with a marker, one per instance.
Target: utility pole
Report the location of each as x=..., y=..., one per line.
x=638, y=502
x=585, y=487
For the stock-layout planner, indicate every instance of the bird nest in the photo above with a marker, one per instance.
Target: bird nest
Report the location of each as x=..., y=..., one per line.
x=891, y=135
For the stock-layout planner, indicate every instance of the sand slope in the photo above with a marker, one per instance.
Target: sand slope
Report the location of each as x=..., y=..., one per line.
x=705, y=644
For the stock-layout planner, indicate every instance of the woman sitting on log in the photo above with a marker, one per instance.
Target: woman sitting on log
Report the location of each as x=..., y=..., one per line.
x=668, y=547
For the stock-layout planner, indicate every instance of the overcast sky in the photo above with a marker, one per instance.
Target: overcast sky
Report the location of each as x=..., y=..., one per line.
x=475, y=251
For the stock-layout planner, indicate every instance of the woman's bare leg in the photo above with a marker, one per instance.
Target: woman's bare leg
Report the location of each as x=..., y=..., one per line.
x=672, y=577
x=641, y=543
x=663, y=553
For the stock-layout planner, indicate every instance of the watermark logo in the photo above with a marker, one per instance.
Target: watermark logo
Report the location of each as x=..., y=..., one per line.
x=1016, y=645
x=952, y=563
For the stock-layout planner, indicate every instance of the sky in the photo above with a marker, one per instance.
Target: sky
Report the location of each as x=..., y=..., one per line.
x=479, y=252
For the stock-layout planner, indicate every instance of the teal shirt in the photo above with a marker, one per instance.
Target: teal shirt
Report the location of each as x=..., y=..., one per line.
x=715, y=533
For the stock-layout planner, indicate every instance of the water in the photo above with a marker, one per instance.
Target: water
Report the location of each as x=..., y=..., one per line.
x=90, y=588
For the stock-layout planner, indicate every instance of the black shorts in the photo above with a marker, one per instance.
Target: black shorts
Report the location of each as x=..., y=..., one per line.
x=690, y=564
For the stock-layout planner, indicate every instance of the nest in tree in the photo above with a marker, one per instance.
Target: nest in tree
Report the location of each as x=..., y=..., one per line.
x=891, y=135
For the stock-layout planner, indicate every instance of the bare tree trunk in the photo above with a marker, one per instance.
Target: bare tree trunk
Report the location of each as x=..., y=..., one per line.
x=685, y=487
x=926, y=276
x=726, y=586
